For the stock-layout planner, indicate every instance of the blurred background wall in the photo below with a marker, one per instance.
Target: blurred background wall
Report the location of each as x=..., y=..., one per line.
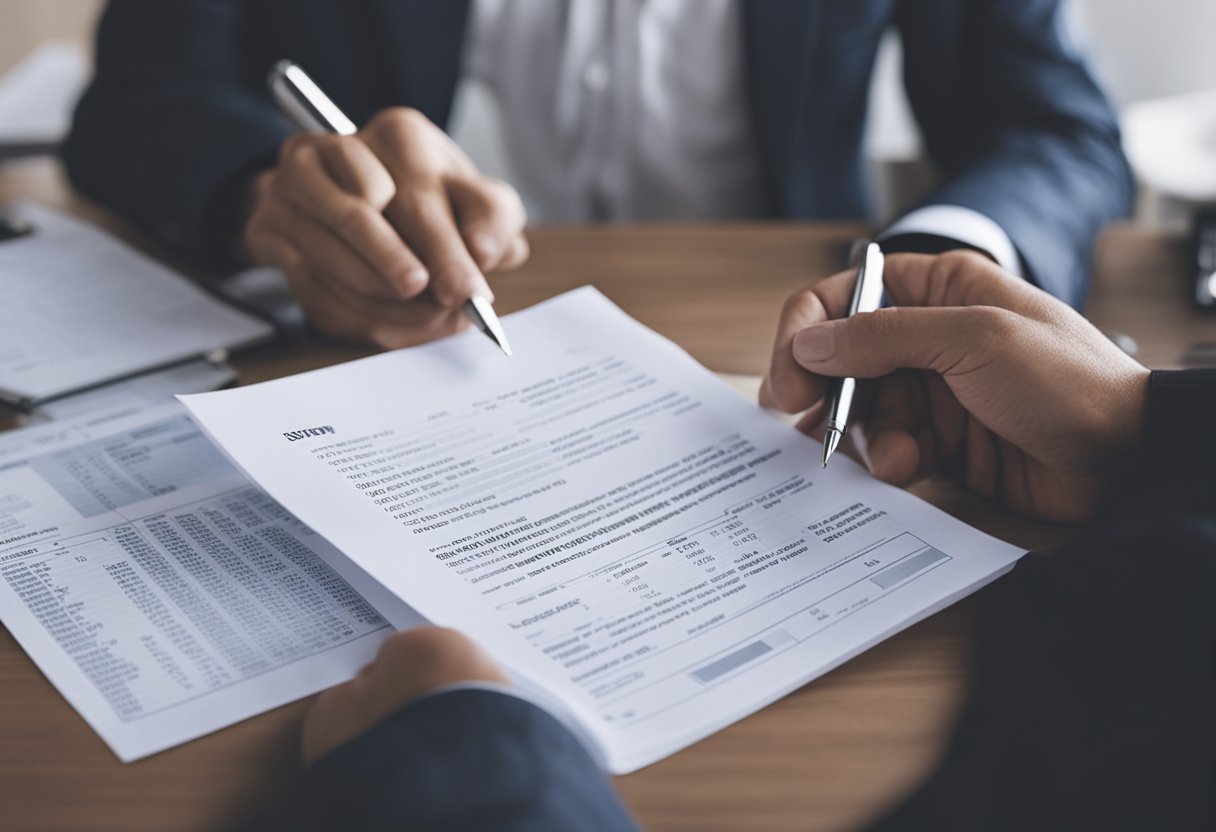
x=1141, y=50
x=26, y=23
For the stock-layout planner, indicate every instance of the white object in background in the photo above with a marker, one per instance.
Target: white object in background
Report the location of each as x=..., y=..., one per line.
x=162, y=593
x=264, y=290
x=618, y=111
x=138, y=393
x=37, y=96
x=607, y=518
x=1171, y=143
x=79, y=308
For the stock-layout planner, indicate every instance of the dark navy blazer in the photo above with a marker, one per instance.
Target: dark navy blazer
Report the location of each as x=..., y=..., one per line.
x=177, y=117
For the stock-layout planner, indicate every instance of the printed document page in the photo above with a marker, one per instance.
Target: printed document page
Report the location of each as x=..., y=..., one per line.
x=81, y=308
x=611, y=521
x=163, y=594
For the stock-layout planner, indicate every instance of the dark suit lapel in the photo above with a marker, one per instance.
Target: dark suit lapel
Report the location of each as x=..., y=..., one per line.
x=420, y=43
x=780, y=38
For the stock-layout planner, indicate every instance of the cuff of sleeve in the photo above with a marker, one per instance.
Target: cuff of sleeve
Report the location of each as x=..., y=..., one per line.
x=488, y=687
x=962, y=225
x=1176, y=469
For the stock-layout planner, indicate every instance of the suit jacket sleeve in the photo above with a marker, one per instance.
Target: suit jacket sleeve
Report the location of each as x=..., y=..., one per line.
x=1175, y=471
x=1018, y=127
x=169, y=121
x=1093, y=678
x=1094, y=667
x=465, y=759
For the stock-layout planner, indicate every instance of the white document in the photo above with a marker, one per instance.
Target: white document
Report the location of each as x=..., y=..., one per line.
x=38, y=94
x=79, y=308
x=137, y=393
x=607, y=518
x=163, y=594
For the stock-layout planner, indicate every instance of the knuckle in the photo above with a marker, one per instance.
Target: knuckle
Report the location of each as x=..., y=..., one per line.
x=961, y=258
x=517, y=253
x=280, y=188
x=995, y=324
x=263, y=186
x=801, y=306
x=453, y=288
x=412, y=279
x=351, y=217
x=291, y=261
x=413, y=202
x=298, y=151
x=504, y=197
x=395, y=122
x=952, y=272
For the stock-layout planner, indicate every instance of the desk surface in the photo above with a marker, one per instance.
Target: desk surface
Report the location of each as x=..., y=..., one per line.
x=826, y=757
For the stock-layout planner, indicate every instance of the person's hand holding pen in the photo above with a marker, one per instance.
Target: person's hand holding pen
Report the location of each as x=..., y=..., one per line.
x=384, y=234
x=980, y=376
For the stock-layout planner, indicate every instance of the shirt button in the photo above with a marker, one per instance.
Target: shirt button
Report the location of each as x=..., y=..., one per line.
x=597, y=76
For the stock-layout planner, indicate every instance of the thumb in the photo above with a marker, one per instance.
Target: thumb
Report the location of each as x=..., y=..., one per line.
x=875, y=344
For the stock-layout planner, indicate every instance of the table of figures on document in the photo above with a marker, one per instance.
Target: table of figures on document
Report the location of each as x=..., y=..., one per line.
x=162, y=592
x=618, y=628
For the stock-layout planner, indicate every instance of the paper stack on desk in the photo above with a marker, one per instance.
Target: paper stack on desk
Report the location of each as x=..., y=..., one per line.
x=612, y=522
x=163, y=594
x=79, y=309
x=651, y=556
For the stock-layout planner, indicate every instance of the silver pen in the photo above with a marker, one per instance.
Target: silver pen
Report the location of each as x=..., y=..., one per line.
x=867, y=296
x=307, y=105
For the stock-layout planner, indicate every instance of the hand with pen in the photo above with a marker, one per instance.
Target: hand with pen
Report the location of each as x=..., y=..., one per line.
x=384, y=234
x=975, y=375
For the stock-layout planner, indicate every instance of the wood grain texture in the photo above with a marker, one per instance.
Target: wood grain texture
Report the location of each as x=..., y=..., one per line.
x=826, y=757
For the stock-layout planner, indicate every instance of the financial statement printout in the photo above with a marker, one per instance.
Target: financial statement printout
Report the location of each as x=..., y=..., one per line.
x=611, y=521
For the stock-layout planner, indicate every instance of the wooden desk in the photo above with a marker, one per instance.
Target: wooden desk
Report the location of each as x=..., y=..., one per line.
x=826, y=757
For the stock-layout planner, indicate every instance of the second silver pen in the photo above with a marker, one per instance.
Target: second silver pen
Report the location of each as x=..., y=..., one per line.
x=867, y=296
x=306, y=104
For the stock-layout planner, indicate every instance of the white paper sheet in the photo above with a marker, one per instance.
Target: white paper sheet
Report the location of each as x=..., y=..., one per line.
x=79, y=308
x=163, y=594
x=38, y=94
x=136, y=393
x=610, y=520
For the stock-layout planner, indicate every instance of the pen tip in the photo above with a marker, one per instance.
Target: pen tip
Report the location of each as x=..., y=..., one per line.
x=482, y=314
x=831, y=440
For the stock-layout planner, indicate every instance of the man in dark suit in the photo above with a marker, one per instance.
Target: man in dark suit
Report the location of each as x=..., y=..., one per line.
x=687, y=109
x=1093, y=703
